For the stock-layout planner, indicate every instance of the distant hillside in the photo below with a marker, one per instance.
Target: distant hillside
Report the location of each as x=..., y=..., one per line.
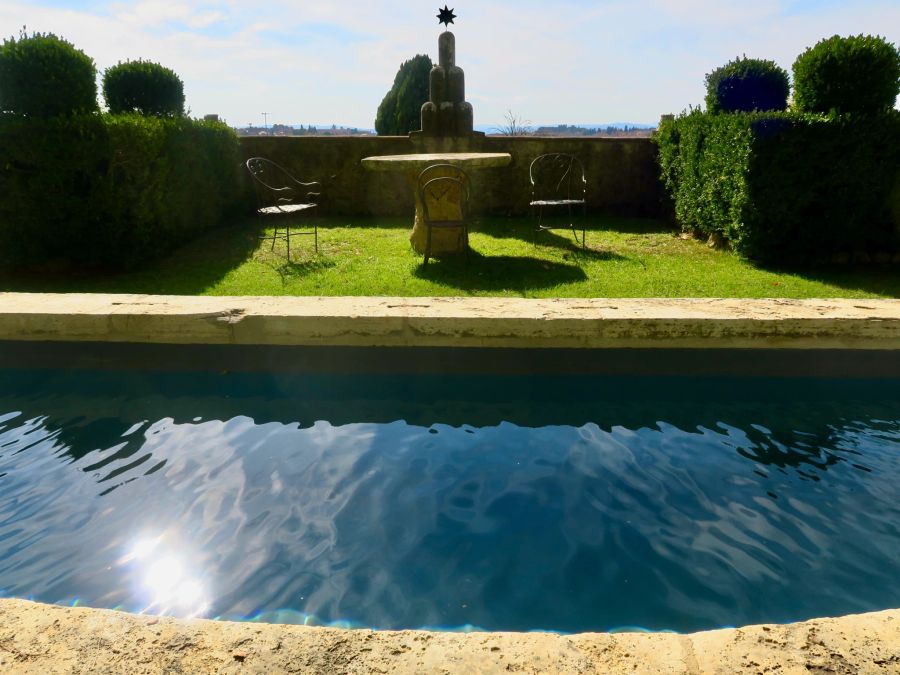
x=490, y=128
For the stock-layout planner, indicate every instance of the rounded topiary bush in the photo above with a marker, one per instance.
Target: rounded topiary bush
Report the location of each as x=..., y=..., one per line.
x=745, y=85
x=143, y=87
x=857, y=74
x=45, y=76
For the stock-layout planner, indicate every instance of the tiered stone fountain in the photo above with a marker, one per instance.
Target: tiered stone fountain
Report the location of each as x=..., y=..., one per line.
x=447, y=137
x=447, y=113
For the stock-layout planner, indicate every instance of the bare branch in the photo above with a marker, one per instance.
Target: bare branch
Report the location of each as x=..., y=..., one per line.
x=516, y=125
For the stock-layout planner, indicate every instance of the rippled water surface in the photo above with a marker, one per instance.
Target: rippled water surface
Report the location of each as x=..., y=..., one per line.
x=500, y=502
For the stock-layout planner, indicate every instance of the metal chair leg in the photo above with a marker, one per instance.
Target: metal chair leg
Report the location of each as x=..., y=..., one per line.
x=571, y=222
x=583, y=227
x=540, y=225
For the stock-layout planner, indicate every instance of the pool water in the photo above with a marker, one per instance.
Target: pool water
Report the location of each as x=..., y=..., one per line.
x=502, y=502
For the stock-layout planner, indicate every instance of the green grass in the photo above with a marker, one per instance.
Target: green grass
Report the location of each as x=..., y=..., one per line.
x=625, y=258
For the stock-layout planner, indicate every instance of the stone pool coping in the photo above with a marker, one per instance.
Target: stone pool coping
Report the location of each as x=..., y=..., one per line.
x=454, y=322
x=37, y=638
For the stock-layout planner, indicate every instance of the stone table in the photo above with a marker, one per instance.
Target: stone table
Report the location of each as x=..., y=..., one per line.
x=444, y=241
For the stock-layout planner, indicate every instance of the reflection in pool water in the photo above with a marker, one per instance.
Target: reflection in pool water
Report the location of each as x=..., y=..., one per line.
x=168, y=584
x=500, y=502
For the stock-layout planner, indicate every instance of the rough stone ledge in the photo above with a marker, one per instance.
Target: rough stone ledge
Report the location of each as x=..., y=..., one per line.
x=453, y=322
x=36, y=638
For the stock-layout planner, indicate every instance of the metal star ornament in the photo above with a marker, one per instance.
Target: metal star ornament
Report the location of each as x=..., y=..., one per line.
x=446, y=16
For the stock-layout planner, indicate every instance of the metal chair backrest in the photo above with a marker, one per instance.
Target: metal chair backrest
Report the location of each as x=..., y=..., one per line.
x=556, y=177
x=445, y=199
x=275, y=186
x=440, y=171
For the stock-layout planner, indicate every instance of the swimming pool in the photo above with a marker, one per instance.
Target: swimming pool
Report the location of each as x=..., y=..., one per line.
x=511, y=501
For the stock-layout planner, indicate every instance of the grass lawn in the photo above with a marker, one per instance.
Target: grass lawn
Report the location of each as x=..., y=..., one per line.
x=625, y=258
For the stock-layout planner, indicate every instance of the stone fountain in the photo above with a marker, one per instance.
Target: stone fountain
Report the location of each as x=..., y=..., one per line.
x=447, y=137
x=447, y=118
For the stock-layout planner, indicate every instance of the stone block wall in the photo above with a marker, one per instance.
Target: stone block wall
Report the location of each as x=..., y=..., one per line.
x=623, y=174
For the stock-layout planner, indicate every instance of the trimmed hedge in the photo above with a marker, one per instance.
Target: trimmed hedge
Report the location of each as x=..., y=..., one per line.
x=45, y=76
x=786, y=187
x=143, y=87
x=104, y=190
x=745, y=85
x=857, y=74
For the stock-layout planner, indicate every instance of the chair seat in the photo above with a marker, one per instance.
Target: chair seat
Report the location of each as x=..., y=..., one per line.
x=287, y=208
x=556, y=202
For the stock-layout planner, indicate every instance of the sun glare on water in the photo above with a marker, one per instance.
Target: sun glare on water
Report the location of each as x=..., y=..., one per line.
x=167, y=583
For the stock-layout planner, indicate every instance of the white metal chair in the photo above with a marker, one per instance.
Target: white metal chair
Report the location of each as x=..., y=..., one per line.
x=558, y=181
x=281, y=196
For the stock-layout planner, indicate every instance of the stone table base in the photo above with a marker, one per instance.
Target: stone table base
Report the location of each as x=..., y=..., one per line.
x=447, y=241
x=444, y=241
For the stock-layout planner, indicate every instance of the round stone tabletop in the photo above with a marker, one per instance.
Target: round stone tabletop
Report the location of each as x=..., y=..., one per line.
x=466, y=160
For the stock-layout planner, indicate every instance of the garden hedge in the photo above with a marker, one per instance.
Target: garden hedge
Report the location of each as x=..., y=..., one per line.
x=45, y=76
x=106, y=190
x=143, y=87
x=746, y=85
x=840, y=75
x=786, y=187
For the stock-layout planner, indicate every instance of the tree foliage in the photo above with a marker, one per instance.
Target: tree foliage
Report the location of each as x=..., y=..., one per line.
x=143, y=87
x=746, y=85
x=847, y=75
x=45, y=76
x=400, y=110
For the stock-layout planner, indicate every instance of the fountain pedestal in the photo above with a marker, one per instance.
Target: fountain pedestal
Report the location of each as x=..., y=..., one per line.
x=445, y=241
x=447, y=137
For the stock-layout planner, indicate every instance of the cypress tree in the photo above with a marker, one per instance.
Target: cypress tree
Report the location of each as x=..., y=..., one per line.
x=399, y=112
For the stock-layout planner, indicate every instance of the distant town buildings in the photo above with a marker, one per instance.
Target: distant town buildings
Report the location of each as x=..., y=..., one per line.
x=560, y=130
x=607, y=132
x=308, y=130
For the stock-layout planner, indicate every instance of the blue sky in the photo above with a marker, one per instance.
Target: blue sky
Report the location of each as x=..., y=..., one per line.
x=571, y=62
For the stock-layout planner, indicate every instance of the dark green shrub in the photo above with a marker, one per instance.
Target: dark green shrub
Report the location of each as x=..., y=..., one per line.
x=859, y=74
x=786, y=187
x=45, y=76
x=745, y=85
x=143, y=87
x=104, y=190
x=400, y=110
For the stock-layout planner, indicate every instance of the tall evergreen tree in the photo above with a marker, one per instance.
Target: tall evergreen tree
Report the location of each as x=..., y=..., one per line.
x=399, y=112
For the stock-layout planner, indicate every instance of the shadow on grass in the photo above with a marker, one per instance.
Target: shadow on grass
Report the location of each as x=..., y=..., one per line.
x=496, y=273
x=631, y=225
x=295, y=268
x=384, y=222
x=561, y=235
x=189, y=270
x=876, y=279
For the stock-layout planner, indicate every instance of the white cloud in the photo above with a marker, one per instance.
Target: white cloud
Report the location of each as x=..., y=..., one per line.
x=571, y=62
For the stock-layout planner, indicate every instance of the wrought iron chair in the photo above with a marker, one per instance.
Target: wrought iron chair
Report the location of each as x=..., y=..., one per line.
x=444, y=195
x=558, y=181
x=280, y=195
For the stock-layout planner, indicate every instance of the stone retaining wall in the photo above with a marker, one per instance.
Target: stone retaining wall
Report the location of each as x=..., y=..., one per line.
x=564, y=323
x=623, y=174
